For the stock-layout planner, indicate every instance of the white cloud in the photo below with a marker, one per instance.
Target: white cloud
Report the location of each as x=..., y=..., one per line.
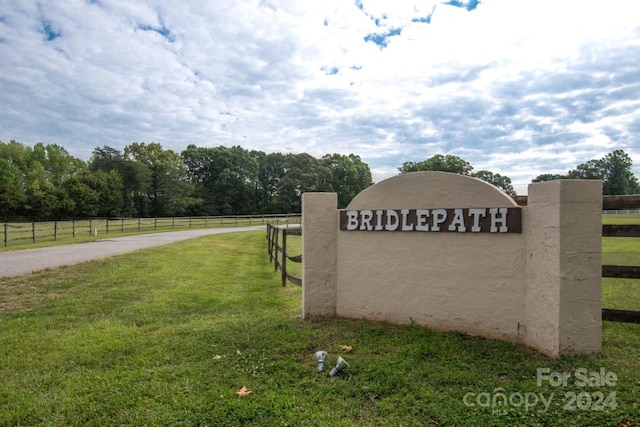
x=520, y=88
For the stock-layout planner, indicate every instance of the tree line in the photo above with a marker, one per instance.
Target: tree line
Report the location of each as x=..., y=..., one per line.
x=614, y=169
x=45, y=182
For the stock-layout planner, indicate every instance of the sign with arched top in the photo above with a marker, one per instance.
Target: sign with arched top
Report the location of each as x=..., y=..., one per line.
x=456, y=253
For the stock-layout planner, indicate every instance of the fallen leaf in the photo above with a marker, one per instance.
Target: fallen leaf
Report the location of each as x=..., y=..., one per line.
x=217, y=357
x=346, y=348
x=243, y=392
x=238, y=352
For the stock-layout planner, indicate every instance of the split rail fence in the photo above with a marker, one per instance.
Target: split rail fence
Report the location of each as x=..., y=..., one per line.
x=278, y=252
x=52, y=230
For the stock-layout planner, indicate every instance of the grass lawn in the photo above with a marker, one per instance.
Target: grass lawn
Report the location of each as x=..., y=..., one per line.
x=167, y=336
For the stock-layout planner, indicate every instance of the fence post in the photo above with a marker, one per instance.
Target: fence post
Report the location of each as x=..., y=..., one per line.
x=139, y=224
x=284, y=257
x=269, y=242
x=155, y=223
x=276, y=238
x=55, y=230
x=107, y=226
x=270, y=232
x=122, y=226
x=6, y=235
x=33, y=231
x=73, y=227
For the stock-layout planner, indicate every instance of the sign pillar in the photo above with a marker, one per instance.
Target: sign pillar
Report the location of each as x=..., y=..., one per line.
x=319, y=254
x=564, y=264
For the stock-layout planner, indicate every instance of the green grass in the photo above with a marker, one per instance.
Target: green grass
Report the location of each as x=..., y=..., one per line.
x=621, y=219
x=621, y=293
x=166, y=336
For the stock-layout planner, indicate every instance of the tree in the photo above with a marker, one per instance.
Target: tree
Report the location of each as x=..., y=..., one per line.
x=134, y=176
x=303, y=173
x=94, y=194
x=41, y=198
x=617, y=175
x=12, y=189
x=17, y=154
x=439, y=162
x=106, y=159
x=225, y=179
x=548, y=177
x=614, y=170
x=271, y=170
x=167, y=192
x=349, y=176
x=455, y=164
x=500, y=181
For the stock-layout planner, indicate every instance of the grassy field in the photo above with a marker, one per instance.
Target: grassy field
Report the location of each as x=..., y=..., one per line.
x=167, y=336
x=54, y=233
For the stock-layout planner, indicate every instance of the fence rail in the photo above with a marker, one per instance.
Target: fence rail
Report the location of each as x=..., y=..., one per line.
x=52, y=230
x=621, y=271
x=278, y=253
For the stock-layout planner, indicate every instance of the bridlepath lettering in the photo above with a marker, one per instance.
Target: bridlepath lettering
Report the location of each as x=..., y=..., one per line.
x=460, y=220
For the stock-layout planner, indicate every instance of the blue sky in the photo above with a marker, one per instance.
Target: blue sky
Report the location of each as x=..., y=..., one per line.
x=517, y=87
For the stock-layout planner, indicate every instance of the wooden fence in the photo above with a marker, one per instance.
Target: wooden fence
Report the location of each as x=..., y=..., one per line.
x=278, y=252
x=52, y=230
x=630, y=202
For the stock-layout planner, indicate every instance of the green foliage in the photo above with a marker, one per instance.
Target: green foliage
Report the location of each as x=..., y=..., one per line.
x=224, y=179
x=304, y=173
x=441, y=163
x=12, y=188
x=548, y=177
x=349, y=176
x=232, y=180
x=500, y=181
x=165, y=192
x=145, y=180
x=455, y=164
x=614, y=170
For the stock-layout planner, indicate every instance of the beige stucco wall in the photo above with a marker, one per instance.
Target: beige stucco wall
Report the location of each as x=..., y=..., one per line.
x=461, y=281
x=540, y=287
x=564, y=266
x=319, y=248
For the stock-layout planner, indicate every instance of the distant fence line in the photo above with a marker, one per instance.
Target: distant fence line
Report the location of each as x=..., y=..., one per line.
x=48, y=230
x=621, y=212
x=278, y=252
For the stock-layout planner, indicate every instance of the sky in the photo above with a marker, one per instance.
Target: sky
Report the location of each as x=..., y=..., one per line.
x=516, y=87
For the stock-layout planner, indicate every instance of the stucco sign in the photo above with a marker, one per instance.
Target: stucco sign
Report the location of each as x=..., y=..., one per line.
x=461, y=220
x=453, y=252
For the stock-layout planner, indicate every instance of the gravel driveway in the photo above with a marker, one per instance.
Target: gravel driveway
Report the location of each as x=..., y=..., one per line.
x=18, y=263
